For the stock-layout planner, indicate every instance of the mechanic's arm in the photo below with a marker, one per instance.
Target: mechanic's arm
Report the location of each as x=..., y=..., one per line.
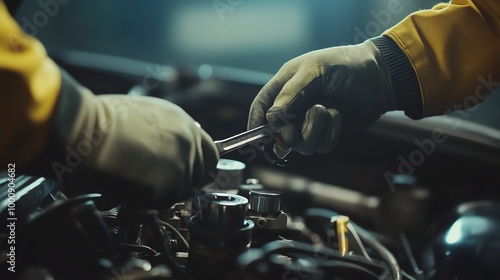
x=431, y=63
x=29, y=83
x=454, y=50
x=142, y=150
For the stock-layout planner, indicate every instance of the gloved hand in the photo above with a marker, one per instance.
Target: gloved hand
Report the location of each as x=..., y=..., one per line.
x=142, y=150
x=313, y=88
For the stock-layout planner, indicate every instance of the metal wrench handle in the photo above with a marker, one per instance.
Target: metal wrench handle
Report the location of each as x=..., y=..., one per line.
x=260, y=133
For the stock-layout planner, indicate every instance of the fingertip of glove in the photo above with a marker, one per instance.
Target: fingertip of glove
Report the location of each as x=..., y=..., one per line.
x=317, y=109
x=317, y=114
x=275, y=115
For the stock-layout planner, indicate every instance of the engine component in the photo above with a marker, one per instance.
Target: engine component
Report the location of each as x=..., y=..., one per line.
x=467, y=248
x=265, y=202
x=223, y=211
x=341, y=223
x=219, y=232
x=296, y=260
x=229, y=175
x=30, y=193
x=316, y=218
x=265, y=211
x=217, y=235
x=175, y=219
x=251, y=184
x=77, y=232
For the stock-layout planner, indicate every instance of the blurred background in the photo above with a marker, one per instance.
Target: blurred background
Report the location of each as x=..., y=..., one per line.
x=255, y=35
x=251, y=34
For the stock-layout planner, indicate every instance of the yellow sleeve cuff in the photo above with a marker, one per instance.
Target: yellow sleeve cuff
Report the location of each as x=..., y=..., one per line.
x=30, y=82
x=453, y=49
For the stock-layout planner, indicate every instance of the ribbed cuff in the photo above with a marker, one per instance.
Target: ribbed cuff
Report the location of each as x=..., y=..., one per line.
x=403, y=78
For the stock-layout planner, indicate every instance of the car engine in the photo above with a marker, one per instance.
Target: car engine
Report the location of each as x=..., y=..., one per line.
x=234, y=228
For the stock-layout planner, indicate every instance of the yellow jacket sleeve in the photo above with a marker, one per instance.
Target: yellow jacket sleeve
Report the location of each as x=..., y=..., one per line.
x=454, y=50
x=29, y=86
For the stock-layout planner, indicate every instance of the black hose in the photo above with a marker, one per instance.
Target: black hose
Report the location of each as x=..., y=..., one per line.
x=333, y=260
x=138, y=248
x=154, y=223
x=385, y=254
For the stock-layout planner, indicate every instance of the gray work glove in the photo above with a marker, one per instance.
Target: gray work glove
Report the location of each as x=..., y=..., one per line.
x=307, y=94
x=141, y=150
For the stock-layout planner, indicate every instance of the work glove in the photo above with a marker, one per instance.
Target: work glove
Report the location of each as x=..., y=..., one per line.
x=315, y=95
x=141, y=150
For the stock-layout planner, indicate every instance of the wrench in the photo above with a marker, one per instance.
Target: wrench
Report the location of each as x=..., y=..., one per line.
x=262, y=133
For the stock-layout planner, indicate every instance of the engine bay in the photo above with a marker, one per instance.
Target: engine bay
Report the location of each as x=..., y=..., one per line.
x=236, y=228
x=229, y=230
